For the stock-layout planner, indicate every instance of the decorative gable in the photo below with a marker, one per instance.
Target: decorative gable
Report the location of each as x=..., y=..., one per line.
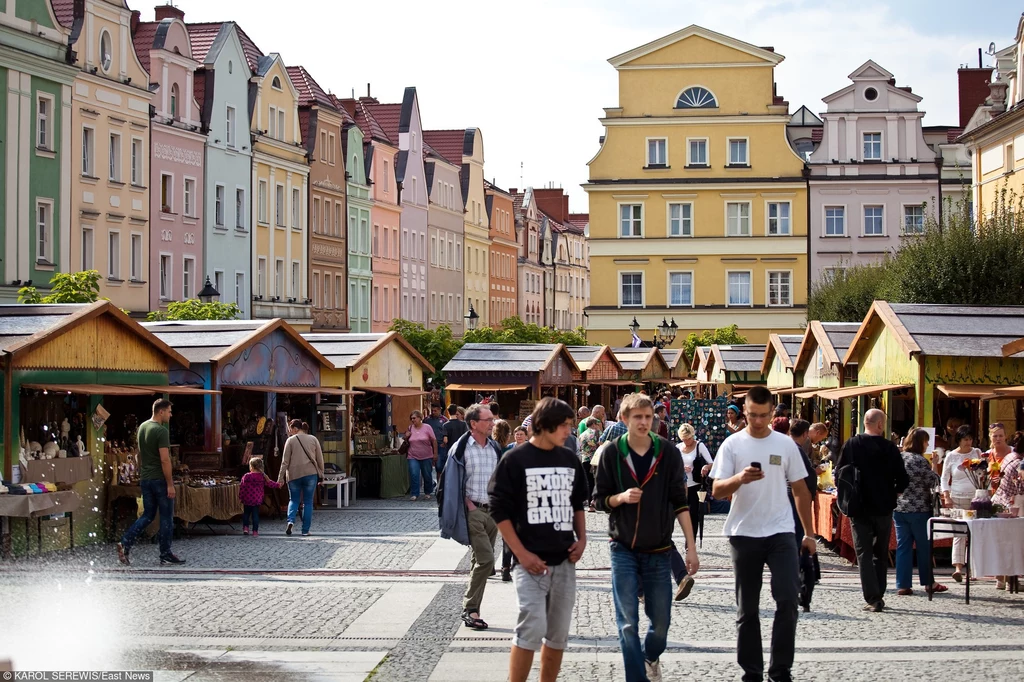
x=695, y=45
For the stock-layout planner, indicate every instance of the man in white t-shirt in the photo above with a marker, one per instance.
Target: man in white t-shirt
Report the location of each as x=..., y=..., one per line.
x=753, y=466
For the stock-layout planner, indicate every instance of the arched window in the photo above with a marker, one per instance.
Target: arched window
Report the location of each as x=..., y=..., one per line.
x=174, y=100
x=696, y=98
x=276, y=82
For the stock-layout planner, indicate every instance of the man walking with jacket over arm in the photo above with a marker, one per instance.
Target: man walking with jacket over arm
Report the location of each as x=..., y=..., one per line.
x=642, y=485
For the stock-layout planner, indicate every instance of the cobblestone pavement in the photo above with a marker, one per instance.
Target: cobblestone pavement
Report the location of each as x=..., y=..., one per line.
x=373, y=594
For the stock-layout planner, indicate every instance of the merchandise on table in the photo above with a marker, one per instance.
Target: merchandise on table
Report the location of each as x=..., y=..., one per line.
x=707, y=418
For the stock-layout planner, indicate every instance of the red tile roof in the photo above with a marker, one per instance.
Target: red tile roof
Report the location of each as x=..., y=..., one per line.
x=953, y=133
x=304, y=116
x=64, y=10
x=447, y=143
x=517, y=201
x=143, y=39
x=202, y=36
x=579, y=221
x=387, y=117
x=372, y=130
x=199, y=87
x=310, y=92
x=342, y=106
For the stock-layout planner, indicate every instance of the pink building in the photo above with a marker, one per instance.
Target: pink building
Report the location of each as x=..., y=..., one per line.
x=176, y=173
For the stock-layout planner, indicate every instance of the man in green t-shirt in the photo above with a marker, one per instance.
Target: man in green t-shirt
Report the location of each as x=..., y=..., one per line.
x=157, y=484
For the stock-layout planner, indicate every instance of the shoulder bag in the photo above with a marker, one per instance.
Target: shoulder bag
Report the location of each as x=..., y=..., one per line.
x=311, y=460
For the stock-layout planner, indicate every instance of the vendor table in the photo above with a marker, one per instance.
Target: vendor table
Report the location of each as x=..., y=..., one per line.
x=994, y=546
x=191, y=505
x=66, y=470
x=382, y=476
x=36, y=507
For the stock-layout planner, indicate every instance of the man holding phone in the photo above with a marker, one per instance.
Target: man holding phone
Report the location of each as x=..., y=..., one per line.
x=753, y=466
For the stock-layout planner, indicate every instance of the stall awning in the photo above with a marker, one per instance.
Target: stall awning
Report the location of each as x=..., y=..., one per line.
x=395, y=391
x=799, y=391
x=176, y=390
x=967, y=391
x=294, y=390
x=1005, y=392
x=484, y=387
x=617, y=382
x=90, y=389
x=855, y=391
x=686, y=382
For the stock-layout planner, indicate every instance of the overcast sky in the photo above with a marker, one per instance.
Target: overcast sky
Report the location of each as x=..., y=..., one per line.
x=533, y=74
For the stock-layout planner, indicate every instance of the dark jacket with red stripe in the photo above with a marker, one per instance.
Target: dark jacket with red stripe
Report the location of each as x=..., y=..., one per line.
x=646, y=526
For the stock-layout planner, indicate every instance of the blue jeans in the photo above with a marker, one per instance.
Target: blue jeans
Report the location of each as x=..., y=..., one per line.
x=911, y=529
x=304, y=487
x=251, y=512
x=424, y=468
x=628, y=569
x=442, y=458
x=154, y=500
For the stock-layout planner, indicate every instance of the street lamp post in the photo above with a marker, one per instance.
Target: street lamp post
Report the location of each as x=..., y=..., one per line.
x=209, y=292
x=471, y=319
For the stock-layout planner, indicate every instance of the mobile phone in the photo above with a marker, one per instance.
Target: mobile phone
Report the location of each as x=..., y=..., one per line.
x=756, y=465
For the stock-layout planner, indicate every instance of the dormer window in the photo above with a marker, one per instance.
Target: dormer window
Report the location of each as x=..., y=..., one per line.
x=276, y=83
x=696, y=98
x=174, y=101
x=870, y=94
x=106, y=51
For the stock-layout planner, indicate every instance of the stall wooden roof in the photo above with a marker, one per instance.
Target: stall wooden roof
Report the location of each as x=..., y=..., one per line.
x=209, y=341
x=745, y=357
x=676, y=359
x=350, y=351
x=786, y=346
x=25, y=327
x=508, y=357
x=700, y=358
x=942, y=330
x=586, y=356
x=834, y=338
x=639, y=359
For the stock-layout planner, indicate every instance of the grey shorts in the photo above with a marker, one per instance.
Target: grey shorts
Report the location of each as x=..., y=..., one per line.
x=545, y=606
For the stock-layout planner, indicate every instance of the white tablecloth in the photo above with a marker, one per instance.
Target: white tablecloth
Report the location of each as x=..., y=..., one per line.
x=997, y=546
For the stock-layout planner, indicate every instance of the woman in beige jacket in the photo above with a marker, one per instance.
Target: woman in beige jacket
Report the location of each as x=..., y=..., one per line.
x=303, y=464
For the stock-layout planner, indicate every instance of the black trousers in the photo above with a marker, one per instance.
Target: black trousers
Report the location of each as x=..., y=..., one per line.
x=871, y=543
x=749, y=556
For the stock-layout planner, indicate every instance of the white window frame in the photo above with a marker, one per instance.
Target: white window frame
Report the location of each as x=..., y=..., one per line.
x=768, y=288
x=169, y=206
x=643, y=288
x=924, y=215
x=668, y=288
x=114, y=157
x=295, y=285
x=632, y=219
x=45, y=231
x=188, y=193
x=750, y=282
x=279, y=275
x=114, y=264
x=316, y=289
x=88, y=247
x=137, y=162
x=296, y=208
x=682, y=221
x=332, y=145
x=280, y=206
x=707, y=152
x=654, y=163
x=824, y=220
x=750, y=211
x=864, y=220
x=240, y=297
x=219, y=197
x=106, y=59
x=89, y=151
x=327, y=292
x=218, y=283
x=768, y=219
x=229, y=126
x=315, y=215
x=166, y=275
x=188, y=272
x=729, y=163
x=136, y=265
x=262, y=275
x=240, y=211
x=263, y=196
x=45, y=121
x=864, y=143
x=272, y=124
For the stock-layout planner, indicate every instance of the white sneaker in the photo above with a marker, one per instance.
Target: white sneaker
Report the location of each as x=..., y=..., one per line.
x=653, y=670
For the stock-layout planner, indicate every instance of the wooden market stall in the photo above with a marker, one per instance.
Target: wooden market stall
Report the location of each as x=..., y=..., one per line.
x=643, y=367
x=382, y=377
x=599, y=373
x=678, y=365
x=777, y=363
x=516, y=375
x=735, y=368
x=699, y=370
x=933, y=364
x=77, y=380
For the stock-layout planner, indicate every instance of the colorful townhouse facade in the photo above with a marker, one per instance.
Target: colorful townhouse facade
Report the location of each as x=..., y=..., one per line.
x=445, y=223
x=698, y=203
x=504, y=254
x=385, y=214
x=110, y=129
x=478, y=242
x=226, y=58
x=874, y=180
x=177, y=163
x=360, y=206
x=280, y=175
x=570, y=259
x=994, y=135
x=320, y=123
x=35, y=129
x=530, y=271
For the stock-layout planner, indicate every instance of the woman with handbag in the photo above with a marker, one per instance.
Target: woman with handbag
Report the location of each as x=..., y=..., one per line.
x=303, y=465
x=421, y=450
x=696, y=461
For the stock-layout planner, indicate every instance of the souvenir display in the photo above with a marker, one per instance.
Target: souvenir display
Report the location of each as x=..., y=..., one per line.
x=706, y=416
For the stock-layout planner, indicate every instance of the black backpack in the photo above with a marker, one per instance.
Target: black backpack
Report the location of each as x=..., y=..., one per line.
x=848, y=484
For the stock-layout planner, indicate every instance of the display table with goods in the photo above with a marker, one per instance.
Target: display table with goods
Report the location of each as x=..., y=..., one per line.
x=34, y=501
x=995, y=546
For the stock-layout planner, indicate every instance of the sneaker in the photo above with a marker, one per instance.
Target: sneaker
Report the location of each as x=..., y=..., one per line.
x=506, y=575
x=780, y=677
x=412, y=498
x=305, y=533
x=653, y=670
x=288, y=528
x=255, y=533
x=683, y=590
x=122, y=555
x=904, y=591
x=171, y=559
x=427, y=496
x=245, y=530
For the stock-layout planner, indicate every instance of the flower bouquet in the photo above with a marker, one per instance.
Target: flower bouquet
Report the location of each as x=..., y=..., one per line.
x=977, y=471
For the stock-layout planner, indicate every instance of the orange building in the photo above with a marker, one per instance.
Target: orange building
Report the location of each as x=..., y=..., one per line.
x=504, y=254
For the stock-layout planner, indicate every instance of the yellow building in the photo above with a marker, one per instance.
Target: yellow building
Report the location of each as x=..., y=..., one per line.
x=698, y=204
x=995, y=134
x=280, y=176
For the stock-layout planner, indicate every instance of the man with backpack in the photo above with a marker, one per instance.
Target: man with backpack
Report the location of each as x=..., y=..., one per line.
x=869, y=477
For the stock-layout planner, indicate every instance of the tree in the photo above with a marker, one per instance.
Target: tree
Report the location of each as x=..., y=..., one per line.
x=193, y=309
x=959, y=261
x=722, y=335
x=66, y=287
x=438, y=346
x=514, y=330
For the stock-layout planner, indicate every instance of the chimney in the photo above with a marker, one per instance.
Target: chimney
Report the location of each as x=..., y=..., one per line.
x=972, y=85
x=554, y=202
x=135, y=21
x=169, y=11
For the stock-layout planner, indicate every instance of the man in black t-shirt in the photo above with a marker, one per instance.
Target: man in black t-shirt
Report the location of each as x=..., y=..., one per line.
x=451, y=431
x=537, y=495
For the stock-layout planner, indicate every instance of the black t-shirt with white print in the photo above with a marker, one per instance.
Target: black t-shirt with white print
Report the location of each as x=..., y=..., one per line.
x=539, y=491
